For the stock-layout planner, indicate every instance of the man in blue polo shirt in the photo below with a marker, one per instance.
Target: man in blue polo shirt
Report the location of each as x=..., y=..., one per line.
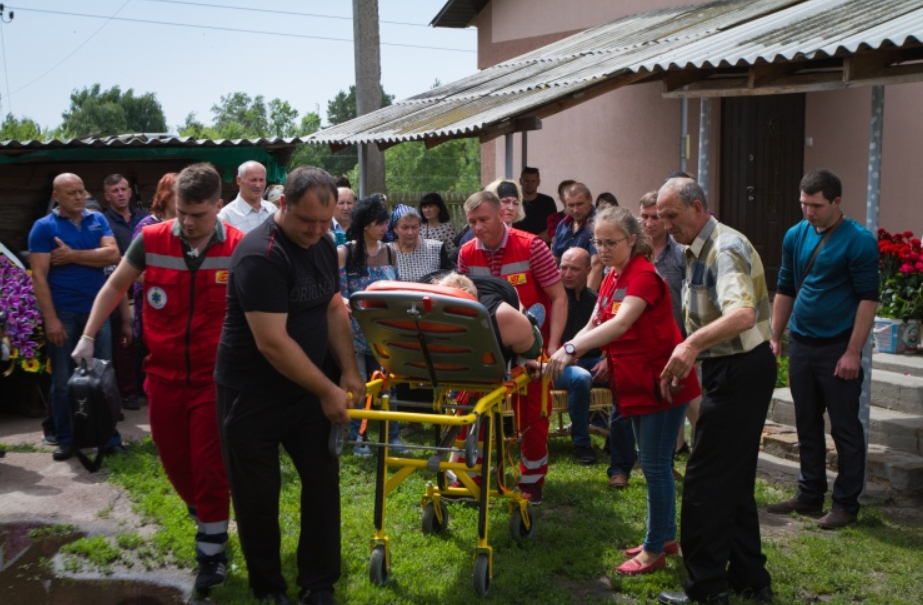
x=828, y=287
x=68, y=250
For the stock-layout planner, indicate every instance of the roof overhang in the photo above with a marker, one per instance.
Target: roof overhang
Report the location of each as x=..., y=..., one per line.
x=722, y=48
x=458, y=13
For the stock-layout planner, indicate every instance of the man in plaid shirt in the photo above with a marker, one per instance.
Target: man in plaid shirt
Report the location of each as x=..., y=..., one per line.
x=726, y=307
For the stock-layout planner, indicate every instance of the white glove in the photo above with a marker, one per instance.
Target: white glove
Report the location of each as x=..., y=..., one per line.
x=84, y=351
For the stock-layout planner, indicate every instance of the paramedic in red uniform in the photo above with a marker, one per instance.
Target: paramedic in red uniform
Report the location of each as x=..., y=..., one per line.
x=185, y=264
x=525, y=261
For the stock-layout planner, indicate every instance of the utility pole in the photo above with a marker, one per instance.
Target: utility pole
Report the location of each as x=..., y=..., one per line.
x=368, y=91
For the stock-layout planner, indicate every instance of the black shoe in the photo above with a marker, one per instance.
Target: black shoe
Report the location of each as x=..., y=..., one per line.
x=211, y=574
x=2, y=453
x=63, y=452
x=117, y=450
x=319, y=597
x=586, y=455
x=681, y=598
x=276, y=598
x=131, y=403
x=763, y=595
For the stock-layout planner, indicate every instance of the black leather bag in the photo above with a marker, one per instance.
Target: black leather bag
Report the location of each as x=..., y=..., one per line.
x=95, y=407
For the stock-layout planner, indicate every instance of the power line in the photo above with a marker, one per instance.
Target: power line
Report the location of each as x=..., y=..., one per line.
x=277, y=12
x=236, y=30
x=85, y=42
x=6, y=71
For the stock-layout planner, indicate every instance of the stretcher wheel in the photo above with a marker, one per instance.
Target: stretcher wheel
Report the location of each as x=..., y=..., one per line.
x=378, y=567
x=335, y=441
x=481, y=574
x=518, y=525
x=432, y=525
x=471, y=444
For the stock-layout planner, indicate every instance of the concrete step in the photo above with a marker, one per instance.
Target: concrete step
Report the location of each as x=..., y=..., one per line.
x=897, y=391
x=898, y=431
x=895, y=470
x=776, y=469
x=904, y=364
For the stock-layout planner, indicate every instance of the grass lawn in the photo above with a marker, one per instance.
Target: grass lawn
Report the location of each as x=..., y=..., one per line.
x=580, y=531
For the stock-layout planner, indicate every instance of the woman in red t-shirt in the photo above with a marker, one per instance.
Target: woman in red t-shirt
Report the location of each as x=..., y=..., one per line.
x=633, y=323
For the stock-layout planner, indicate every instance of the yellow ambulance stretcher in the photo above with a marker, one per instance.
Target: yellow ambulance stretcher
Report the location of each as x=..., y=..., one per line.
x=442, y=339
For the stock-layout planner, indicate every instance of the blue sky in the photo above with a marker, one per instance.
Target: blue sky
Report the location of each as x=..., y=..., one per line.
x=275, y=50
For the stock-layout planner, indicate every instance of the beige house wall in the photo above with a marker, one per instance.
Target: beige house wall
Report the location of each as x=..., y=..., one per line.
x=628, y=140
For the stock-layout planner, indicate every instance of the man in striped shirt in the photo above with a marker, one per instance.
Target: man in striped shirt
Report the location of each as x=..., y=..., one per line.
x=525, y=261
x=727, y=313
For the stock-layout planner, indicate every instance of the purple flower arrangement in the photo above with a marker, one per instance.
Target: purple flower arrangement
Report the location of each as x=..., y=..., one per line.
x=24, y=320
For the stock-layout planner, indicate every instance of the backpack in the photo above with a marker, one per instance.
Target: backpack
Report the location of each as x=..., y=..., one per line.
x=95, y=409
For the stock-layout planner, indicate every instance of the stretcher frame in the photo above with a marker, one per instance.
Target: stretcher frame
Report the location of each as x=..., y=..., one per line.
x=440, y=338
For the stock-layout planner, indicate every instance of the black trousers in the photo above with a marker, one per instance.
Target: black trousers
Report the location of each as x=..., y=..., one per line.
x=815, y=389
x=719, y=523
x=252, y=427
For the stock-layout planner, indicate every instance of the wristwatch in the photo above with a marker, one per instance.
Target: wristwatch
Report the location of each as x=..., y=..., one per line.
x=570, y=349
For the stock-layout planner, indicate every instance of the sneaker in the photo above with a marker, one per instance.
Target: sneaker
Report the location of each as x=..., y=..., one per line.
x=396, y=446
x=211, y=574
x=362, y=450
x=131, y=403
x=532, y=492
x=50, y=440
x=586, y=455
x=794, y=505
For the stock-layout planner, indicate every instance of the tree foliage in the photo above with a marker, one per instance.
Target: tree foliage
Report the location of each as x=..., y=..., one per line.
x=23, y=129
x=95, y=112
x=452, y=166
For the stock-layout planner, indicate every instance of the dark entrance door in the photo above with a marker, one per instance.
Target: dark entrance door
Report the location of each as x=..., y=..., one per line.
x=762, y=160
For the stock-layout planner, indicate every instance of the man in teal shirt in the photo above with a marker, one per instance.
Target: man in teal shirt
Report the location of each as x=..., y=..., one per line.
x=831, y=298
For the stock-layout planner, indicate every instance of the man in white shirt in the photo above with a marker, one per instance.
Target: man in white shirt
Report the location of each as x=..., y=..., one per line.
x=248, y=210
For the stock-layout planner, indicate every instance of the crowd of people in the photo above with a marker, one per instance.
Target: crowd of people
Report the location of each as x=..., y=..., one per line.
x=242, y=321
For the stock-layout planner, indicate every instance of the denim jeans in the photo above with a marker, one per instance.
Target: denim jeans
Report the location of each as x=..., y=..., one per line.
x=62, y=366
x=578, y=381
x=656, y=435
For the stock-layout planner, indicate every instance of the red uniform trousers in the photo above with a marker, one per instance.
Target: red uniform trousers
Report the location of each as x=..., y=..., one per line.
x=533, y=425
x=184, y=426
x=532, y=422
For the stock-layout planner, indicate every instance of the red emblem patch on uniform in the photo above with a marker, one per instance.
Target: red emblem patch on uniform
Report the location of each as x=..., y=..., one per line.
x=221, y=277
x=517, y=278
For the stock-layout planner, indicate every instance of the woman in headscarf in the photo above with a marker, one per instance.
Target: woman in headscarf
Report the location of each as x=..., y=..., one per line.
x=416, y=256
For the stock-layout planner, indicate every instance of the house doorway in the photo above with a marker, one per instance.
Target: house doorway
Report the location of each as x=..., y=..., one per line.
x=762, y=160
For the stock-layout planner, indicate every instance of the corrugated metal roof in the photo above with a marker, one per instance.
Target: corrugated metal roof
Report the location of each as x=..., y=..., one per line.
x=717, y=34
x=143, y=140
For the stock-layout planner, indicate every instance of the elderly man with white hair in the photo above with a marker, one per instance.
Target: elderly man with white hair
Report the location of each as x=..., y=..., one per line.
x=248, y=210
